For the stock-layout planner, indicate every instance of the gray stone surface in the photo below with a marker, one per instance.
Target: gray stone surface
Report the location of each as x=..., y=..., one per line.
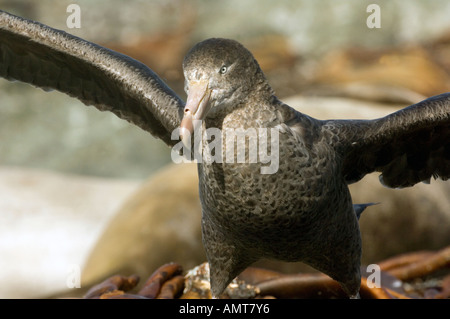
x=48, y=222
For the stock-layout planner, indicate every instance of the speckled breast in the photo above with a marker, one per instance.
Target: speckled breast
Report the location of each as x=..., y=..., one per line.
x=284, y=205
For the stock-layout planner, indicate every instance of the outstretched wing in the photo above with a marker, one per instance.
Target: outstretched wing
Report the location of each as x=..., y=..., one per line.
x=407, y=147
x=53, y=59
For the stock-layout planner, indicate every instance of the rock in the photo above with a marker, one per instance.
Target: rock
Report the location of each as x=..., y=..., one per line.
x=48, y=222
x=160, y=223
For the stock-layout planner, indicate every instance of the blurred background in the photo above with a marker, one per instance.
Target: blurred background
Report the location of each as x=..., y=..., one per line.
x=67, y=169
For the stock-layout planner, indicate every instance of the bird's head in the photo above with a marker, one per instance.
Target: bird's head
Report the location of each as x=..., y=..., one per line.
x=219, y=73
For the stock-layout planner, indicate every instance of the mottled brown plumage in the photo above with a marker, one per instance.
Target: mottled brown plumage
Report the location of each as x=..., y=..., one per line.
x=303, y=209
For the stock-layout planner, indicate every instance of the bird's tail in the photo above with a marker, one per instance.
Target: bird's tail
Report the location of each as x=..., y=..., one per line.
x=359, y=208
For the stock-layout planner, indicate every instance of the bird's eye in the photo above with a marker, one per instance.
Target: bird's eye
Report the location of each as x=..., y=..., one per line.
x=223, y=70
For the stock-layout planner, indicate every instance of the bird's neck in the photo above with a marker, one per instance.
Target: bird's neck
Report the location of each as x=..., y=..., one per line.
x=249, y=110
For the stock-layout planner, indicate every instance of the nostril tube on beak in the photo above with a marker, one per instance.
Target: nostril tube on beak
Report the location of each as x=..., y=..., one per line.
x=196, y=108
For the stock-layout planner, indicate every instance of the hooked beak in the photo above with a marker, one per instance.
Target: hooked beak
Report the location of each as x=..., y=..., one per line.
x=197, y=106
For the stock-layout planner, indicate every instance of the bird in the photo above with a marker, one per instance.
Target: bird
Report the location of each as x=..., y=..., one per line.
x=298, y=210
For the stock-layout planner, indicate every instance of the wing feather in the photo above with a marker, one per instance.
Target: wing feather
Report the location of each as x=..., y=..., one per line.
x=407, y=147
x=53, y=59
